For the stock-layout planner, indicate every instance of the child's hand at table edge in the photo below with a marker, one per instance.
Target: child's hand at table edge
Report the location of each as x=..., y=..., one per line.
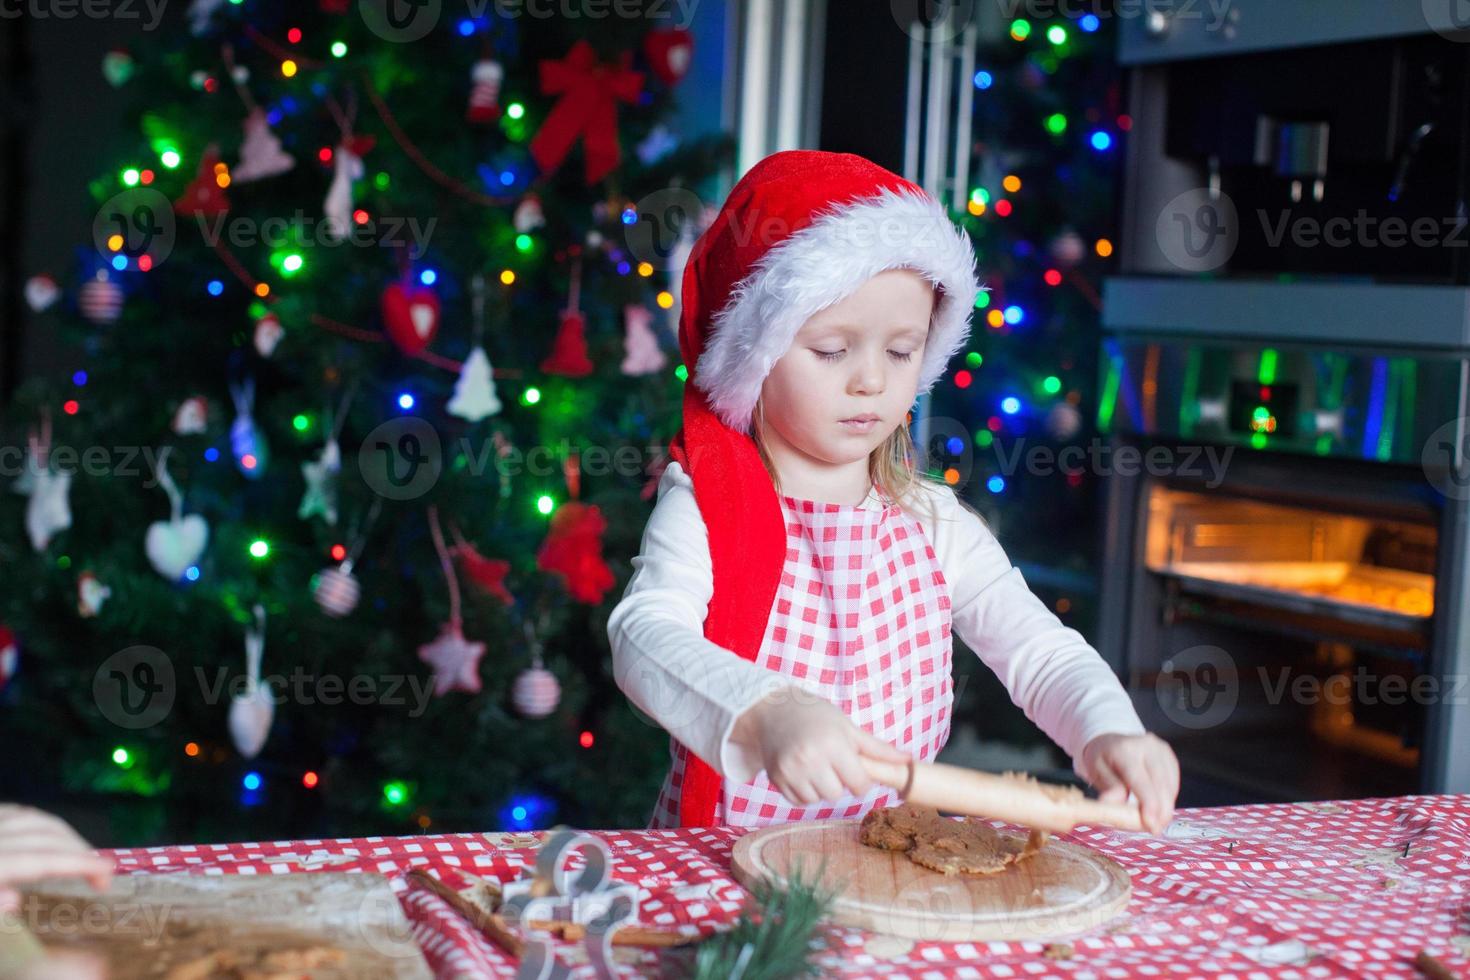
x=36, y=845
x=811, y=751
x=1143, y=765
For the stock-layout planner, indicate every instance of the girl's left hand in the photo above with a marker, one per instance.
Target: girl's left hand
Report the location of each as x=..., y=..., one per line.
x=1143, y=765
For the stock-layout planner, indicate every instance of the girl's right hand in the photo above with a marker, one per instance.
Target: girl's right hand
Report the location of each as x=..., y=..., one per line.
x=811, y=751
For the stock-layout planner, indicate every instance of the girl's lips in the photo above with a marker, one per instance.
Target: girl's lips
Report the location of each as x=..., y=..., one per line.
x=860, y=426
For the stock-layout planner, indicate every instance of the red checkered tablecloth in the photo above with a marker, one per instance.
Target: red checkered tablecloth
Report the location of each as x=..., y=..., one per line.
x=1350, y=888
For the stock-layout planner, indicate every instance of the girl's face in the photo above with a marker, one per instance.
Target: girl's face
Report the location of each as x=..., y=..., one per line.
x=858, y=358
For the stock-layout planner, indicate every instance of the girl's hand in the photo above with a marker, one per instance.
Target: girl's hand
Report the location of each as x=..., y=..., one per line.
x=35, y=845
x=1143, y=765
x=810, y=750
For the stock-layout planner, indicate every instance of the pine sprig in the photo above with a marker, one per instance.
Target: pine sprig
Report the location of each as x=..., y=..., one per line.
x=772, y=940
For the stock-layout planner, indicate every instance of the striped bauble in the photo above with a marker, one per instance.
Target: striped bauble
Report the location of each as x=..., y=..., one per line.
x=536, y=692
x=100, y=300
x=336, y=591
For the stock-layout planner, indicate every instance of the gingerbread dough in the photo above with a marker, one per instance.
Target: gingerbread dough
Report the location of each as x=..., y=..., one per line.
x=950, y=847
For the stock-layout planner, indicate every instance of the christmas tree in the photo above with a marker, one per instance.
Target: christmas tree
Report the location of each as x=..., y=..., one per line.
x=1013, y=422
x=319, y=534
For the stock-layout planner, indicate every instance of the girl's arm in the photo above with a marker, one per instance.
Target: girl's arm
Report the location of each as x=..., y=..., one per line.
x=662, y=661
x=1062, y=684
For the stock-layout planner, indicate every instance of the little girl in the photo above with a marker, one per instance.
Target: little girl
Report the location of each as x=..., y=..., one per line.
x=790, y=612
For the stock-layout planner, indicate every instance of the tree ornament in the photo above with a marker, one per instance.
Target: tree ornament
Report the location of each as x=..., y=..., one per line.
x=485, y=79
x=205, y=195
x=1068, y=249
x=321, y=474
x=659, y=143
x=411, y=316
x=261, y=155
x=247, y=442
x=191, y=417
x=117, y=67
x=91, y=594
x=456, y=661
x=642, y=353
x=587, y=110
x=568, y=356
x=670, y=52
x=252, y=710
x=572, y=551
x=529, y=216
x=41, y=292
x=486, y=574
x=200, y=12
x=336, y=590
x=536, y=692
x=172, y=546
x=48, y=509
x=268, y=333
x=9, y=656
x=100, y=299
x=346, y=167
x=474, y=393
x=1063, y=421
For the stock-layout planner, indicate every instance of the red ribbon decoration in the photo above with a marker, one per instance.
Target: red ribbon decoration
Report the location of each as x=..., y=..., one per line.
x=587, y=108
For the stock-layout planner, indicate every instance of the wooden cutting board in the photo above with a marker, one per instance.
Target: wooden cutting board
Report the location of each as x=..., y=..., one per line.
x=1063, y=890
x=172, y=925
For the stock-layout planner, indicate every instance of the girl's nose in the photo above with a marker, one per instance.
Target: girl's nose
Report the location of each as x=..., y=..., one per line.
x=868, y=377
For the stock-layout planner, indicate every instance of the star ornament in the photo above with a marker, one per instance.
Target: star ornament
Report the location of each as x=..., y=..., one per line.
x=456, y=661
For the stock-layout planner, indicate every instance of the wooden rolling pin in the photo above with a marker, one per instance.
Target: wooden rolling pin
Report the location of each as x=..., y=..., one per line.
x=956, y=789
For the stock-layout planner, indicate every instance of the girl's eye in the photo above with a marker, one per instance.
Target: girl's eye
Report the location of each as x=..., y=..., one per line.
x=902, y=356
x=828, y=355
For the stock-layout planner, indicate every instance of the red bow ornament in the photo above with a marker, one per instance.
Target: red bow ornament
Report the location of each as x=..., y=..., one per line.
x=587, y=109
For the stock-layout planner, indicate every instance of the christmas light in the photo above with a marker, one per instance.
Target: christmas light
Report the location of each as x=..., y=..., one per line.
x=339, y=552
x=1003, y=208
x=1104, y=247
x=339, y=49
x=1056, y=123
x=523, y=243
x=405, y=401
x=259, y=548
x=466, y=28
x=309, y=780
x=294, y=35
x=630, y=216
x=974, y=359
x=291, y=264
x=192, y=573
x=624, y=268
x=1101, y=141
x=428, y=277
x=1052, y=277
x=251, y=781
x=288, y=68
x=122, y=757
x=115, y=243
x=301, y=423
x=507, y=277
x=995, y=318
x=170, y=159
x=381, y=180
x=982, y=301
x=262, y=290
x=395, y=793
x=665, y=299
x=1089, y=23
x=1056, y=34
x=191, y=749
x=361, y=217
x=324, y=154
x=146, y=177
x=977, y=208
x=681, y=372
x=962, y=379
x=71, y=406
x=995, y=484
x=1014, y=314
x=645, y=269
x=131, y=176
x=532, y=396
x=544, y=504
x=983, y=80
x=119, y=262
x=585, y=740
x=515, y=110
x=1012, y=183
x=64, y=561
x=983, y=438
x=79, y=378
x=248, y=461
x=955, y=445
x=1010, y=404
x=215, y=287
x=211, y=454
x=1020, y=30
x=1052, y=384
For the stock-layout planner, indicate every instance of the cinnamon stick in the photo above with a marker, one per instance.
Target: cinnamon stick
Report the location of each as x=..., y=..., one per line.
x=1432, y=967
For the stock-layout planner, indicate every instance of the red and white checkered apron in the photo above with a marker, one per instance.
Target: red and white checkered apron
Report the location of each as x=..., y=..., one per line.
x=862, y=615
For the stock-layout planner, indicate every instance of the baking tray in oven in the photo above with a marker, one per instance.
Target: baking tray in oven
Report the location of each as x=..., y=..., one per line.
x=1366, y=594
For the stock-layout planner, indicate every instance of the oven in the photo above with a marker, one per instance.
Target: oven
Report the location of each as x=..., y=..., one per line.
x=1283, y=581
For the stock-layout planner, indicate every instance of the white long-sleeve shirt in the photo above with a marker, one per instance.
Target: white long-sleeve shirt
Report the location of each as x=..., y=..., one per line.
x=697, y=689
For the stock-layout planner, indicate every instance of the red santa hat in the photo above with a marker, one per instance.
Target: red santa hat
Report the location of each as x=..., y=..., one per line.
x=802, y=230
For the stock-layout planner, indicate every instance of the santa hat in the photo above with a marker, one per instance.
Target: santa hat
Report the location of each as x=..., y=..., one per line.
x=802, y=230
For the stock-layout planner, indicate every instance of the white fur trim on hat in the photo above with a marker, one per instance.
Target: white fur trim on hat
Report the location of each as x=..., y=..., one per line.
x=822, y=264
